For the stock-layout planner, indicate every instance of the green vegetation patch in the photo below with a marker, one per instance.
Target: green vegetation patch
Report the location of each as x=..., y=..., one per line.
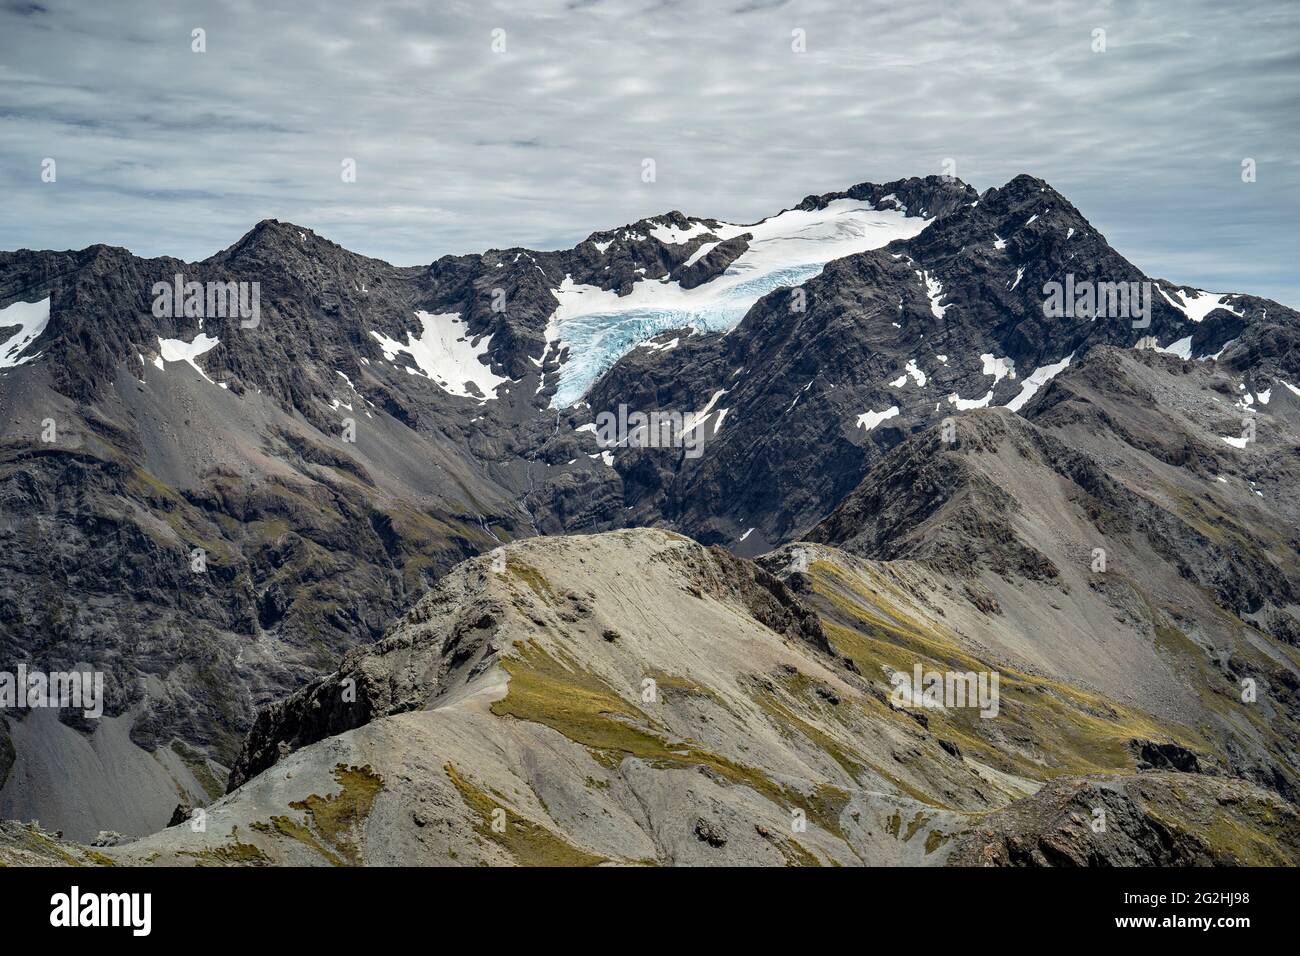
x=293, y=830
x=236, y=853
x=338, y=818
x=530, y=843
x=795, y=854
x=936, y=839
x=533, y=578
x=331, y=825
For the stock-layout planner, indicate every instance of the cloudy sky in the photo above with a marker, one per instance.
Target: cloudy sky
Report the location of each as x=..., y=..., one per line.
x=459, y=148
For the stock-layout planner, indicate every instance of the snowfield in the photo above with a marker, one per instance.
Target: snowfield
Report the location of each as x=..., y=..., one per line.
x=444, y=353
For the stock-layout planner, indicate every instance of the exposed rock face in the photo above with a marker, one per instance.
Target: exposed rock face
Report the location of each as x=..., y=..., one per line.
x=1157, y=756
x=1155, y=820
x=713, y=263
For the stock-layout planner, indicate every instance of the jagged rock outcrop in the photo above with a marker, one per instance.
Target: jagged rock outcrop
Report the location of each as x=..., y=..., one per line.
x=1156, y=820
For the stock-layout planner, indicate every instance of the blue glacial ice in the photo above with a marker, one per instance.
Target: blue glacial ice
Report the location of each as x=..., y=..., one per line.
x=597, y=340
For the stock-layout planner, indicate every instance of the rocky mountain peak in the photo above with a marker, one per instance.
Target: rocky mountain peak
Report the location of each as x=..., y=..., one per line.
x=927, y=197
x=272, y=244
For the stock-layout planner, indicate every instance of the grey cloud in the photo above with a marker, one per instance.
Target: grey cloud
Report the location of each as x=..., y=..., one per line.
x=25, y=9
x=460, y=149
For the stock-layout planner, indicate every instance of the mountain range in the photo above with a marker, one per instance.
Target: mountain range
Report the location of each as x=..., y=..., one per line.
x=368, y=582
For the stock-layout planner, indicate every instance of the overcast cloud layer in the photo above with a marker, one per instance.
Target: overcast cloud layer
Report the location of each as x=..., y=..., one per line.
x=459, y=149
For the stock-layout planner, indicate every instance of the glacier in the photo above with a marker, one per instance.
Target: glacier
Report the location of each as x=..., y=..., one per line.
x=599, y=327
x=596, y=340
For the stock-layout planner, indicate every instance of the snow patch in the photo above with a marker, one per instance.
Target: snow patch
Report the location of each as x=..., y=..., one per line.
x=661, y=347
x=869, y=419
x=999, y=368
x=914, y=371
x=934, y=290
x=445, y=354
x=1199, y=304
x=965, y=404
x=700, y=253
x=672, y=236
x=1182, y=348
x=1036, y=380
x=799, y=394
x=1216, y=355
x=693, y=420
x=178, y=350
x=31, y=319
